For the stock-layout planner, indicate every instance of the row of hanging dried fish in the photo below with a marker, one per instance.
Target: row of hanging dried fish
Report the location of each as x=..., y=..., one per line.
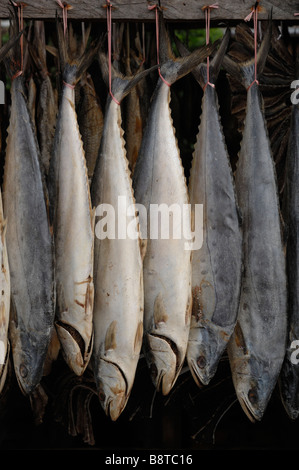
x=101, y=302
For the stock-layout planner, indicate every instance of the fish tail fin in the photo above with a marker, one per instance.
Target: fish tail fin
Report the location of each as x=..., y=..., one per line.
x=200, y=72
x=173, y=70
x=10, y=54
x=68, y=49
x=245, y=72
x=121, y=85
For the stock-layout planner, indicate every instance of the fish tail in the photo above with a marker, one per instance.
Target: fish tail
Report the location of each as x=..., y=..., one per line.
x=121, y=85
x=200, y=72
x=73, y=71
x=245, y=72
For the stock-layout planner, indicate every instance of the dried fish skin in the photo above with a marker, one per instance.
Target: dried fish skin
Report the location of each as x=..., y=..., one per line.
x=118, y=269
x=4, y=300
x=289, y=378
x=29, y=246
x=257, y=347
x=73, y=227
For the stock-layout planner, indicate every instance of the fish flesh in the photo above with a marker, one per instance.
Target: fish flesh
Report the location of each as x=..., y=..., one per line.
x=72, y=218
x=289, y=377
x=29, y=243
x=216, y=266
x=159, y=179
x=257, y=346
x=118, y=270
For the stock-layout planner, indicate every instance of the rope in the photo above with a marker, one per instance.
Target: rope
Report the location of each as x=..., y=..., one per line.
x=65, y=7
x=20, y=6
x=109, y=24
x=207, y=10
x=155, y=7
x=254, y=12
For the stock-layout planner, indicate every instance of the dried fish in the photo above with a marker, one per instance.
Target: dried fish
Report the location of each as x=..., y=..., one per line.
x=216, y=266
x=159, y=179
x=257, y=347
x=118, y=270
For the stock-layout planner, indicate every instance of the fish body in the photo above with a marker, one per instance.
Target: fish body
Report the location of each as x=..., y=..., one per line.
x=159, y=179
x=118, y=270
x=4, y=300
x=289, y=377
x=73, y=226
x=216, y=266
x=90, y=119
x=29, y=245
x=257, y=347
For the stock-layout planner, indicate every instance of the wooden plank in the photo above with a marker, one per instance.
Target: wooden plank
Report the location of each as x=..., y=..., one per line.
x=137, y=10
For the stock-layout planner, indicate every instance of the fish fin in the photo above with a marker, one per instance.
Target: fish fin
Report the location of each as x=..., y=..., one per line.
x=110, y=338
x=73, y=69
x=173, y=70
x=121, y=85
x=52, y=50
x=200, y=72
x=3, y=230
x=245, y=72
x=138, y=338
x=165, y=50
x=160, y=315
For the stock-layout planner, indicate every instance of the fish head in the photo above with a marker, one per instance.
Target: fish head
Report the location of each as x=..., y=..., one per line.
x=254, y=388
x=28, y=358
x=163, y=358
x=112, y=388
x=205, y=348
x=76, y=351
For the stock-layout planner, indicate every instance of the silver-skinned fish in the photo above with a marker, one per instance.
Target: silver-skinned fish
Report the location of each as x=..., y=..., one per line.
x=159, y=179
x=257, y=347
x=72, y=217
x=118, y=269
x=216, y=266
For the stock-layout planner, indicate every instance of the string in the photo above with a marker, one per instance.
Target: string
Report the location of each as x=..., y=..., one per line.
x=253, y=13
x=155, y=7
x=72, y=87
x=207, y=10
x=20, y=7
x=109, y=24
x=65, y=8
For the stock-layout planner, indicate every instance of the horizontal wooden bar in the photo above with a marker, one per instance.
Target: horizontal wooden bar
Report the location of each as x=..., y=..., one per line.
x=137, y=10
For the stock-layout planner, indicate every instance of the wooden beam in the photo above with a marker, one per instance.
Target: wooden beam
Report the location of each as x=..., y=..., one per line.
x=137, y=10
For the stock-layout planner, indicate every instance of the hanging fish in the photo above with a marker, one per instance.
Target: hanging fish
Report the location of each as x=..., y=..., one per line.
x=73, y=220
x=28, y=238
x=159, y=179
x=91, y=122
x=118, y=273
x=257, y=346
x=46, y=109
x=134, y=124
x=289, y=377
x=4, y=300
x=5, y=295
x=216, y=266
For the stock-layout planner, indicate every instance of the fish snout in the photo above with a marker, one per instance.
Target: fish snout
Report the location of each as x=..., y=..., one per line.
x=163, y=359
x=254, y=399
x=112, y=389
